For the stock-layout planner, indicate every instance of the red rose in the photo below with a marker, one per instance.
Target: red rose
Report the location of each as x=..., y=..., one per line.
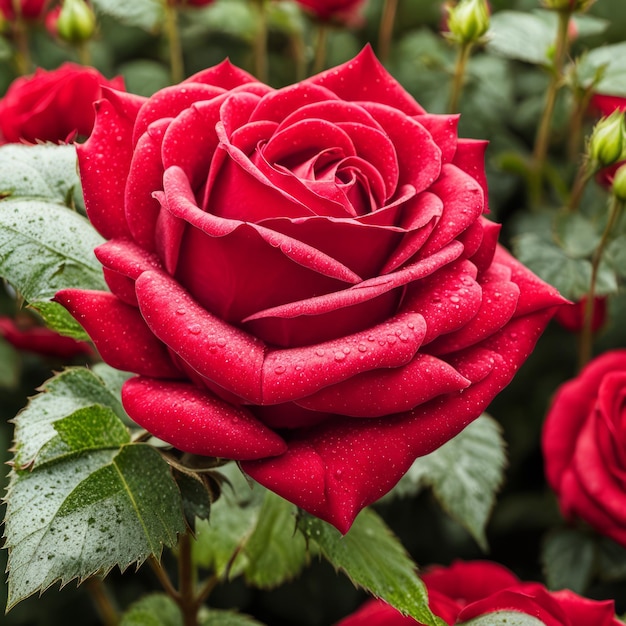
x=302, y=278
x=41, y=340
x=584, y=445
x=327, y=9
x=31, y=9
x=54, y=105
x=469, y=589
x=572, y=316
x=191, y=3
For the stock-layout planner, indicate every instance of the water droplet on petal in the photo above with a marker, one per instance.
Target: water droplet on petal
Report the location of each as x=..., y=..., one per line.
x=279, y=369
x=320, y=352
x=455, y=299
x=339, y=356
x=362, y=347
x=195, y=329
x=221, y=342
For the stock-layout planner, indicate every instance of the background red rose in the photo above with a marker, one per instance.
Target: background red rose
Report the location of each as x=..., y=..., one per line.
x=468, y=589
x=584, y=445
x=314, y=291
x=31, y=9
x=327, y=9
x=52, y=105
x=572, y=316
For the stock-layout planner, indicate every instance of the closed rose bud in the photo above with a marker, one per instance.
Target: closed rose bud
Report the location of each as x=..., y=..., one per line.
x=606, y=143
x=468, y=21
x=76, y=22
x=619, y=184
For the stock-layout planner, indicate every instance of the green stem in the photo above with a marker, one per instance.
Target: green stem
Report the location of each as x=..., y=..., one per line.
x=575, y=139
x=260, y=43
x=320, y=47
x=23, y=60
x=299, y=54
x=459, y=75
x=586, y=338
x=164, y=579
x=385, y=33
x=542, y=140
x=84, y=53
x=102, y=601
x=177, y=67
x=585, y=172
x=186, y=583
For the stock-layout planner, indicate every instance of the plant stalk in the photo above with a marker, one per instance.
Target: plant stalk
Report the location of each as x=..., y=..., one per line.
x=23, y=60
x=186, y=583
x=586, y=338
x=102, y=601
x=385, y=32
x=459, y=75
x=542, y=140
x=320, y=47
x=260, y=43
x=177, y=67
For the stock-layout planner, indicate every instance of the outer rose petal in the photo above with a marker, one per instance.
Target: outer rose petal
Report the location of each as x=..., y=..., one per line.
x=196, y=421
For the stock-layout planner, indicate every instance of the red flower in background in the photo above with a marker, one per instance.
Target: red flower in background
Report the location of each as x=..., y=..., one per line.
x=329, y=9
x=52, y=105
x=584, y=445
x=469, y=589
x=302, y=278
x=30, y=9
x=572, y=316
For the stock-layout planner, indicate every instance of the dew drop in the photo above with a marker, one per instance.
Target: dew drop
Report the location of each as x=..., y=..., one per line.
x=346, y=350
x=339, y=356
x=371, y=338
x=455, y=299
x=279, y=369
x=362, y=347
x=180, y=311
x=195, y=329
x=320, y=352
x=411, y=325
x=221, y=342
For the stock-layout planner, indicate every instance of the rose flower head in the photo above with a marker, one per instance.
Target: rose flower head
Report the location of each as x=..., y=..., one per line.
x=52, y=105
x=30, y=9
x=302, y=279
x=470, y=589
x=584, y=445
x=331, y=9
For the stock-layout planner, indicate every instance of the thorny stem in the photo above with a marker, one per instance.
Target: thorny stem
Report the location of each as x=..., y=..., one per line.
x=186, y=582
x=586, y=337
x=177, y=69
x=463, y=55
x=386, y=29
x=542, y=139
x=23, y=59
x=320, y=47
x=104, y=605
x=260, y=43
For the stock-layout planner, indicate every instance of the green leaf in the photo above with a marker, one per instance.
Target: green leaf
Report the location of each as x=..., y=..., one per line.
x=465, y=475
x=521, y=36
x=45, y=247
x=57, y=317
x=233, y=519
x=46, y=171
x=91, y=428
x=62, y=396
x=611, y=559
x=577, y=235
x=615, y=255
x=610, y=62
x=504, y=618
x=86, y=514
x=196, y=497
x=153, y=610
x=371, y=556
x=252, y=532
x=568, y=556
x=215, y=617
x=146, y=14
x=144, y=77
x=275, y=553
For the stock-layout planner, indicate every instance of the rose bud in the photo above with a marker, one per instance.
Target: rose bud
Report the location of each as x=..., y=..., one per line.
x=468, y=21
x=606, y=143
x=76, y=22
x=301, y=279
x=618, y=187
x=584, y=446
x=52, y=106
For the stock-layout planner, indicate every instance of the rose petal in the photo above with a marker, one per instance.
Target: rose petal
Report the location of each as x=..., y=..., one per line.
x=196, y=421
x=226, y=355
x=119, y=333
x=470, y=158
x=383, y=392
x=224, y=75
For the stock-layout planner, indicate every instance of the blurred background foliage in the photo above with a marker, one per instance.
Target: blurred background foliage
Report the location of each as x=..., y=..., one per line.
x=502, y=102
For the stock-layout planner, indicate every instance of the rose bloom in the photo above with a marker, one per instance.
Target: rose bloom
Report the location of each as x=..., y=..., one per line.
x=584, y=445
x=470, y=589
x=301, y=278
x=328, y=9
x=572, y=316
x=40, y=340
x=30, y=9
x=52, y=105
